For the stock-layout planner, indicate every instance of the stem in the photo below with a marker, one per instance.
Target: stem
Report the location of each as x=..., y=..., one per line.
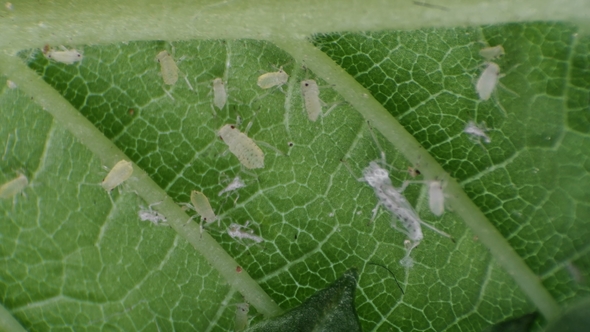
x=361, y=99
x=33, y=24
x=8, y=322
x=64, y=113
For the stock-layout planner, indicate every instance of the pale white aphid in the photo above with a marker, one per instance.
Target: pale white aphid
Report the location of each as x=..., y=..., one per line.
x=242, y=146
x=491, y=53
x=120, y=172
x=269, y=80
x=241, y=321
x=14, y=186
x=219, y=93
x=436, y=198
x=241, y=232
x=486, y=84
x=66, y=56
x=200, y=203
x=11, y=84
x=475, y=131
x=236, y=184
x=168, y=67
x=311, y=97
x=151, y=215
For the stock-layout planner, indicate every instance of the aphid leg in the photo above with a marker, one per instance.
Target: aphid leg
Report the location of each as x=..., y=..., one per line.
x=188, y=82
x=437, y=230
x=332, y=108
x=374, y=215
x=168, y=93
x=383, y=161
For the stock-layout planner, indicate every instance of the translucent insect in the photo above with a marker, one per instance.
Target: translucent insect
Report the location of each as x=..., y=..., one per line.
x=236, y=184
x=66, y=56
x=414, y=172
x=311, y=97
x=242, y=146
x=120, y=172
x=11, y=84
x=486, y=84
x=491, y=53
x=477, y=132
x=200, y=203
x=14, y=186
x=241, y=321
x=241, y=232
x=436, y=198
x=151, y=215
x=168, y=67
x=269, y=80
x=219, y=93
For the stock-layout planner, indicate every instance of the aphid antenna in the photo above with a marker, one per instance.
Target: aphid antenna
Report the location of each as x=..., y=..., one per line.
x=437, y=230
x=168, y=93
x=388, y=270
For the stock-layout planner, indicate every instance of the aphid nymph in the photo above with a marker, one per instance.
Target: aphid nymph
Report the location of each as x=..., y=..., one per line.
x=436, y=198
x=168, y=68
x=66, y=56
x=486, y=84
x=200, y=203
x=120, y=172
x=14, y=186
x=272, y=79
x=219, y=93
x=242, y=146
x=241, y=320
x=491, y=53
x=311, y=98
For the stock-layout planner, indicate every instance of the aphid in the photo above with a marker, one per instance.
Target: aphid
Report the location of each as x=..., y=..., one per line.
x=436, y=198
x=491, y=53
x=14, y=186
x=11, y=84
x=219, y=93
x=241, y=321
x=66, y=56
x=311, y=97
x=242, y=147
x=236, y=184
x=269, y=80
x=239, y=232
x=120, y=172
x=168, y=67
x=151, y=215
x=200, y=203
x=486, y=84
x=477, y=132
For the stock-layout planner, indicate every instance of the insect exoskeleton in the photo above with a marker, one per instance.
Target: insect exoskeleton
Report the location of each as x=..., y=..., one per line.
x=269, y=80
x=168, y=67
x=242, y=146
x=120, y=172
x=491, y=53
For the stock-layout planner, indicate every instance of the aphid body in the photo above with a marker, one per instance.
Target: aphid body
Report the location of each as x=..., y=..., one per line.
x=241, y=232
x=201, y=204
x=219, y=93
x=66, y=56
x=236, y=184
x=168, y=67
x=11, y=84
x=436, y=198
x=311, y=97
x=14, y=186
x=241, y=321
x=242, y=146
x=120, y=172
x=486, y=84
x=269, y=80
x=473, y=129
x=491, y=53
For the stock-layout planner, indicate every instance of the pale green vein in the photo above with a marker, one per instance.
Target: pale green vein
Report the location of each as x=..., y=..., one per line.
x=360, y=98
x=64, y=113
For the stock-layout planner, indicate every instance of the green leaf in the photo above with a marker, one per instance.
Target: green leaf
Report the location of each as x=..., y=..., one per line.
x=72, y=259
x=574, y=319
x=518, y=324
x=331, y=309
